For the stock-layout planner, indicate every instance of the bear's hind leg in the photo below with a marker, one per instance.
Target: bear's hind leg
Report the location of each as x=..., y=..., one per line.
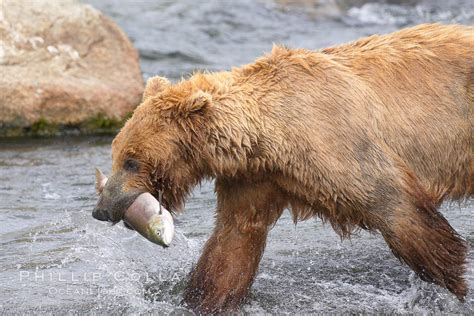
x=422, y=238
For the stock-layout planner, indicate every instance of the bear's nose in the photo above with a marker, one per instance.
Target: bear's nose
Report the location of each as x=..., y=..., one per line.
x=100, y=214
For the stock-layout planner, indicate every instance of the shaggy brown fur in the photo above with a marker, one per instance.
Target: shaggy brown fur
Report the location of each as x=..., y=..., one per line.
x=374, y=134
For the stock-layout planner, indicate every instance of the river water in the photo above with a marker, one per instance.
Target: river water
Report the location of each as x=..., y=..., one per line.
x=55, y=258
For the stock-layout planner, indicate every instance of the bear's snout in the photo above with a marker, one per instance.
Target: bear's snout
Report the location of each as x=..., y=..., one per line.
x=100, y=214
x=113, y=199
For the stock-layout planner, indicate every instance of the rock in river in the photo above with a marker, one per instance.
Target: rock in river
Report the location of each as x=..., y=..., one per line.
x=63, y=63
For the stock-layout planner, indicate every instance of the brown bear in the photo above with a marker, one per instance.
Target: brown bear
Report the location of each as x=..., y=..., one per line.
x=374, y=134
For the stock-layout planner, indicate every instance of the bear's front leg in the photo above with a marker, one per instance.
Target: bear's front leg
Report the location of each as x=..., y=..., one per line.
x=227, y=267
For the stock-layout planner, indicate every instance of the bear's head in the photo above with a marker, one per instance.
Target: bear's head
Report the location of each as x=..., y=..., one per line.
x=160, y=148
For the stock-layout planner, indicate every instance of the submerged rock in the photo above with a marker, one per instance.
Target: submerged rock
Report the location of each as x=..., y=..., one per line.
x=63, y=63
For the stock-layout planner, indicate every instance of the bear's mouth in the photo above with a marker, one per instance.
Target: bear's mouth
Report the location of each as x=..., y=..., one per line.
x=139, y=209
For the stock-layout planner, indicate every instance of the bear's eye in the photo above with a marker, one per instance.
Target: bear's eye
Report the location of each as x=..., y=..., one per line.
x=131, y=165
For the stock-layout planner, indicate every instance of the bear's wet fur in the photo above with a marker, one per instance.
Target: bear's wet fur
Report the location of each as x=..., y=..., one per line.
x=374, y=134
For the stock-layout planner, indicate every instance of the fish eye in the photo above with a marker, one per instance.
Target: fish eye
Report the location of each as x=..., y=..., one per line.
x=131, y=165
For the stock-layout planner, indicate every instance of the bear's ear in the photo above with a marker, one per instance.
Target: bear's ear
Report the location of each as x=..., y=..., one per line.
x=154, y=85
x=198, y=102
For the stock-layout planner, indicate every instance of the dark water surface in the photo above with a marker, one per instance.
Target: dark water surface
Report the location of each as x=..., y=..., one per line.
x=55, y=258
